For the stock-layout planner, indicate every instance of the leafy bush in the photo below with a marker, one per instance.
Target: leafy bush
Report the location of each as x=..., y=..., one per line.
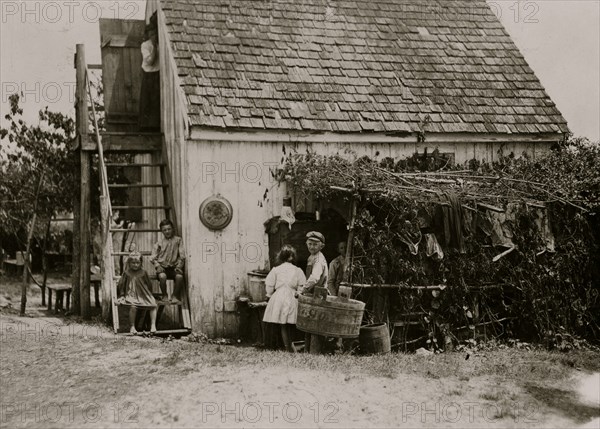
x=543, y=292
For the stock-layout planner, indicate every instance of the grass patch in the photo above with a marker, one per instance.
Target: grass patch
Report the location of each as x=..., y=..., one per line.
x=505, y=363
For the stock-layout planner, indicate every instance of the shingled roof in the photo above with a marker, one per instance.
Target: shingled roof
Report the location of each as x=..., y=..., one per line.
x=355, y=66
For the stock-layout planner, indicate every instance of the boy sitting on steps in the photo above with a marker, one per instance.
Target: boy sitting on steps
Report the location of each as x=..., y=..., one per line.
x=168, y=258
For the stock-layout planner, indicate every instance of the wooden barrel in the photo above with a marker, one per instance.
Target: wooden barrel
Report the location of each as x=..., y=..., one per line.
x=332, y=317
x=375, y=338
x=256, y=286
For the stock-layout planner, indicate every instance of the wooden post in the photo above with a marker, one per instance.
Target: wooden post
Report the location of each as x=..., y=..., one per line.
x=76, y=238
x=85, y=237
x=85, y=167
x=348, y=261
x=45, y=261
x=107, y=273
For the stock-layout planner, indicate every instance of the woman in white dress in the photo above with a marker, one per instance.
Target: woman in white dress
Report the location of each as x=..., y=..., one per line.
x=282, y=284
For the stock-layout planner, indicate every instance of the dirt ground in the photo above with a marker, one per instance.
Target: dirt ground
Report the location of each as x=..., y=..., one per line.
x=58, y=372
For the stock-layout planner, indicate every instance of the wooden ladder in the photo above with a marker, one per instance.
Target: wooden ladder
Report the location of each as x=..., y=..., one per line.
x=110, y=273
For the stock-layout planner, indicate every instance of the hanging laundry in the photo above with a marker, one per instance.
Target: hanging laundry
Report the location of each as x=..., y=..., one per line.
x=410, y=234
x=288, y=215
x=433, y=248
x=498, y=226
x=542, y=222
x=494, y=226
x=501, y=232
x=449, y=219
x=469, y=222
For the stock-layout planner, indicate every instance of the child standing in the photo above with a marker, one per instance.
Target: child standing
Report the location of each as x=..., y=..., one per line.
x=316, y=266
x=282, y=283
x=168, y=258
x=336, y=270
x=134, y=289
x=316, y=274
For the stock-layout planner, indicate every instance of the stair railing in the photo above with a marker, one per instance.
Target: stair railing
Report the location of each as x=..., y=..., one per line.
x=106, y=216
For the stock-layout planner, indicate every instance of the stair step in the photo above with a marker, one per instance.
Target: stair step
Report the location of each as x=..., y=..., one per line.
x=151, y=276
x=125, y=164
x=142, y=207
x=133, y=230
x=135, y=185
x=158, y=333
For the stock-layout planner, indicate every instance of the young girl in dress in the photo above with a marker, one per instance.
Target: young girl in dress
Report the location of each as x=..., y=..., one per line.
x=134, y=289
x=282, y=283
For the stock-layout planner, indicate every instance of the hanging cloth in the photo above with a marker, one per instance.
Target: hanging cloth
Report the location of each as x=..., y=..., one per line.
x=449, y=215
x=433, y=248
x=411, y=236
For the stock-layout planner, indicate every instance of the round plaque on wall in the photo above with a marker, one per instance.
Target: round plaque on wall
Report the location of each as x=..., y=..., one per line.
x=216, y=212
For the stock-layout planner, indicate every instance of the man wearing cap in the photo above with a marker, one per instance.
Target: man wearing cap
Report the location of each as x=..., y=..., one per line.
x=316, y=274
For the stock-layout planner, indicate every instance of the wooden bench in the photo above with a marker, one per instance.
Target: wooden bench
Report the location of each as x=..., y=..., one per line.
x=16, y=262
x=60, y=292
x=61, y=289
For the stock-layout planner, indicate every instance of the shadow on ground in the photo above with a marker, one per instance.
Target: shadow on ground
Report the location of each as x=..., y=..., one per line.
x=563, y=401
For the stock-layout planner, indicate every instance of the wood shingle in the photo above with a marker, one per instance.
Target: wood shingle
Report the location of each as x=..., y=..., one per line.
x=382, y=63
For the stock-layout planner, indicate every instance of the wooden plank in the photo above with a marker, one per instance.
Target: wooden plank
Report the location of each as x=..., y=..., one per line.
x=122, y=118
x=85, y=235
x=127, y=142
x=142, y=207
x=121, y=41
x=347, y=275
x=106, y=265
x=121, y=70
x=127, y=164
x=289, y=136
x=128, y=78
x=76, y=258
x=136, y=185
x=134, y=230
x=394, y=286
x=165, y=174
x=85, y=187
x=490, y=207
x=158, y=333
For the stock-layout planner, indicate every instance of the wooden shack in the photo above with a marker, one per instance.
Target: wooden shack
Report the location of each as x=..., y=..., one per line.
x=245, y=83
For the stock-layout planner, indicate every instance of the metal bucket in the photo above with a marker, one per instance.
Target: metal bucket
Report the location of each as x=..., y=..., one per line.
x=256, y=287
x=333, y=317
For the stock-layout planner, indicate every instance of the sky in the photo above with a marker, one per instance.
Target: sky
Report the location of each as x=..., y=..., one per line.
x=560, y=39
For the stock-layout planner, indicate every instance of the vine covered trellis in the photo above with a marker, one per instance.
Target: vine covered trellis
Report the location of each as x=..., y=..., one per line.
x=519, y=233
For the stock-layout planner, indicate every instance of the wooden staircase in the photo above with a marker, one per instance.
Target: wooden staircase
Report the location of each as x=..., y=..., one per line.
x=157, y=204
